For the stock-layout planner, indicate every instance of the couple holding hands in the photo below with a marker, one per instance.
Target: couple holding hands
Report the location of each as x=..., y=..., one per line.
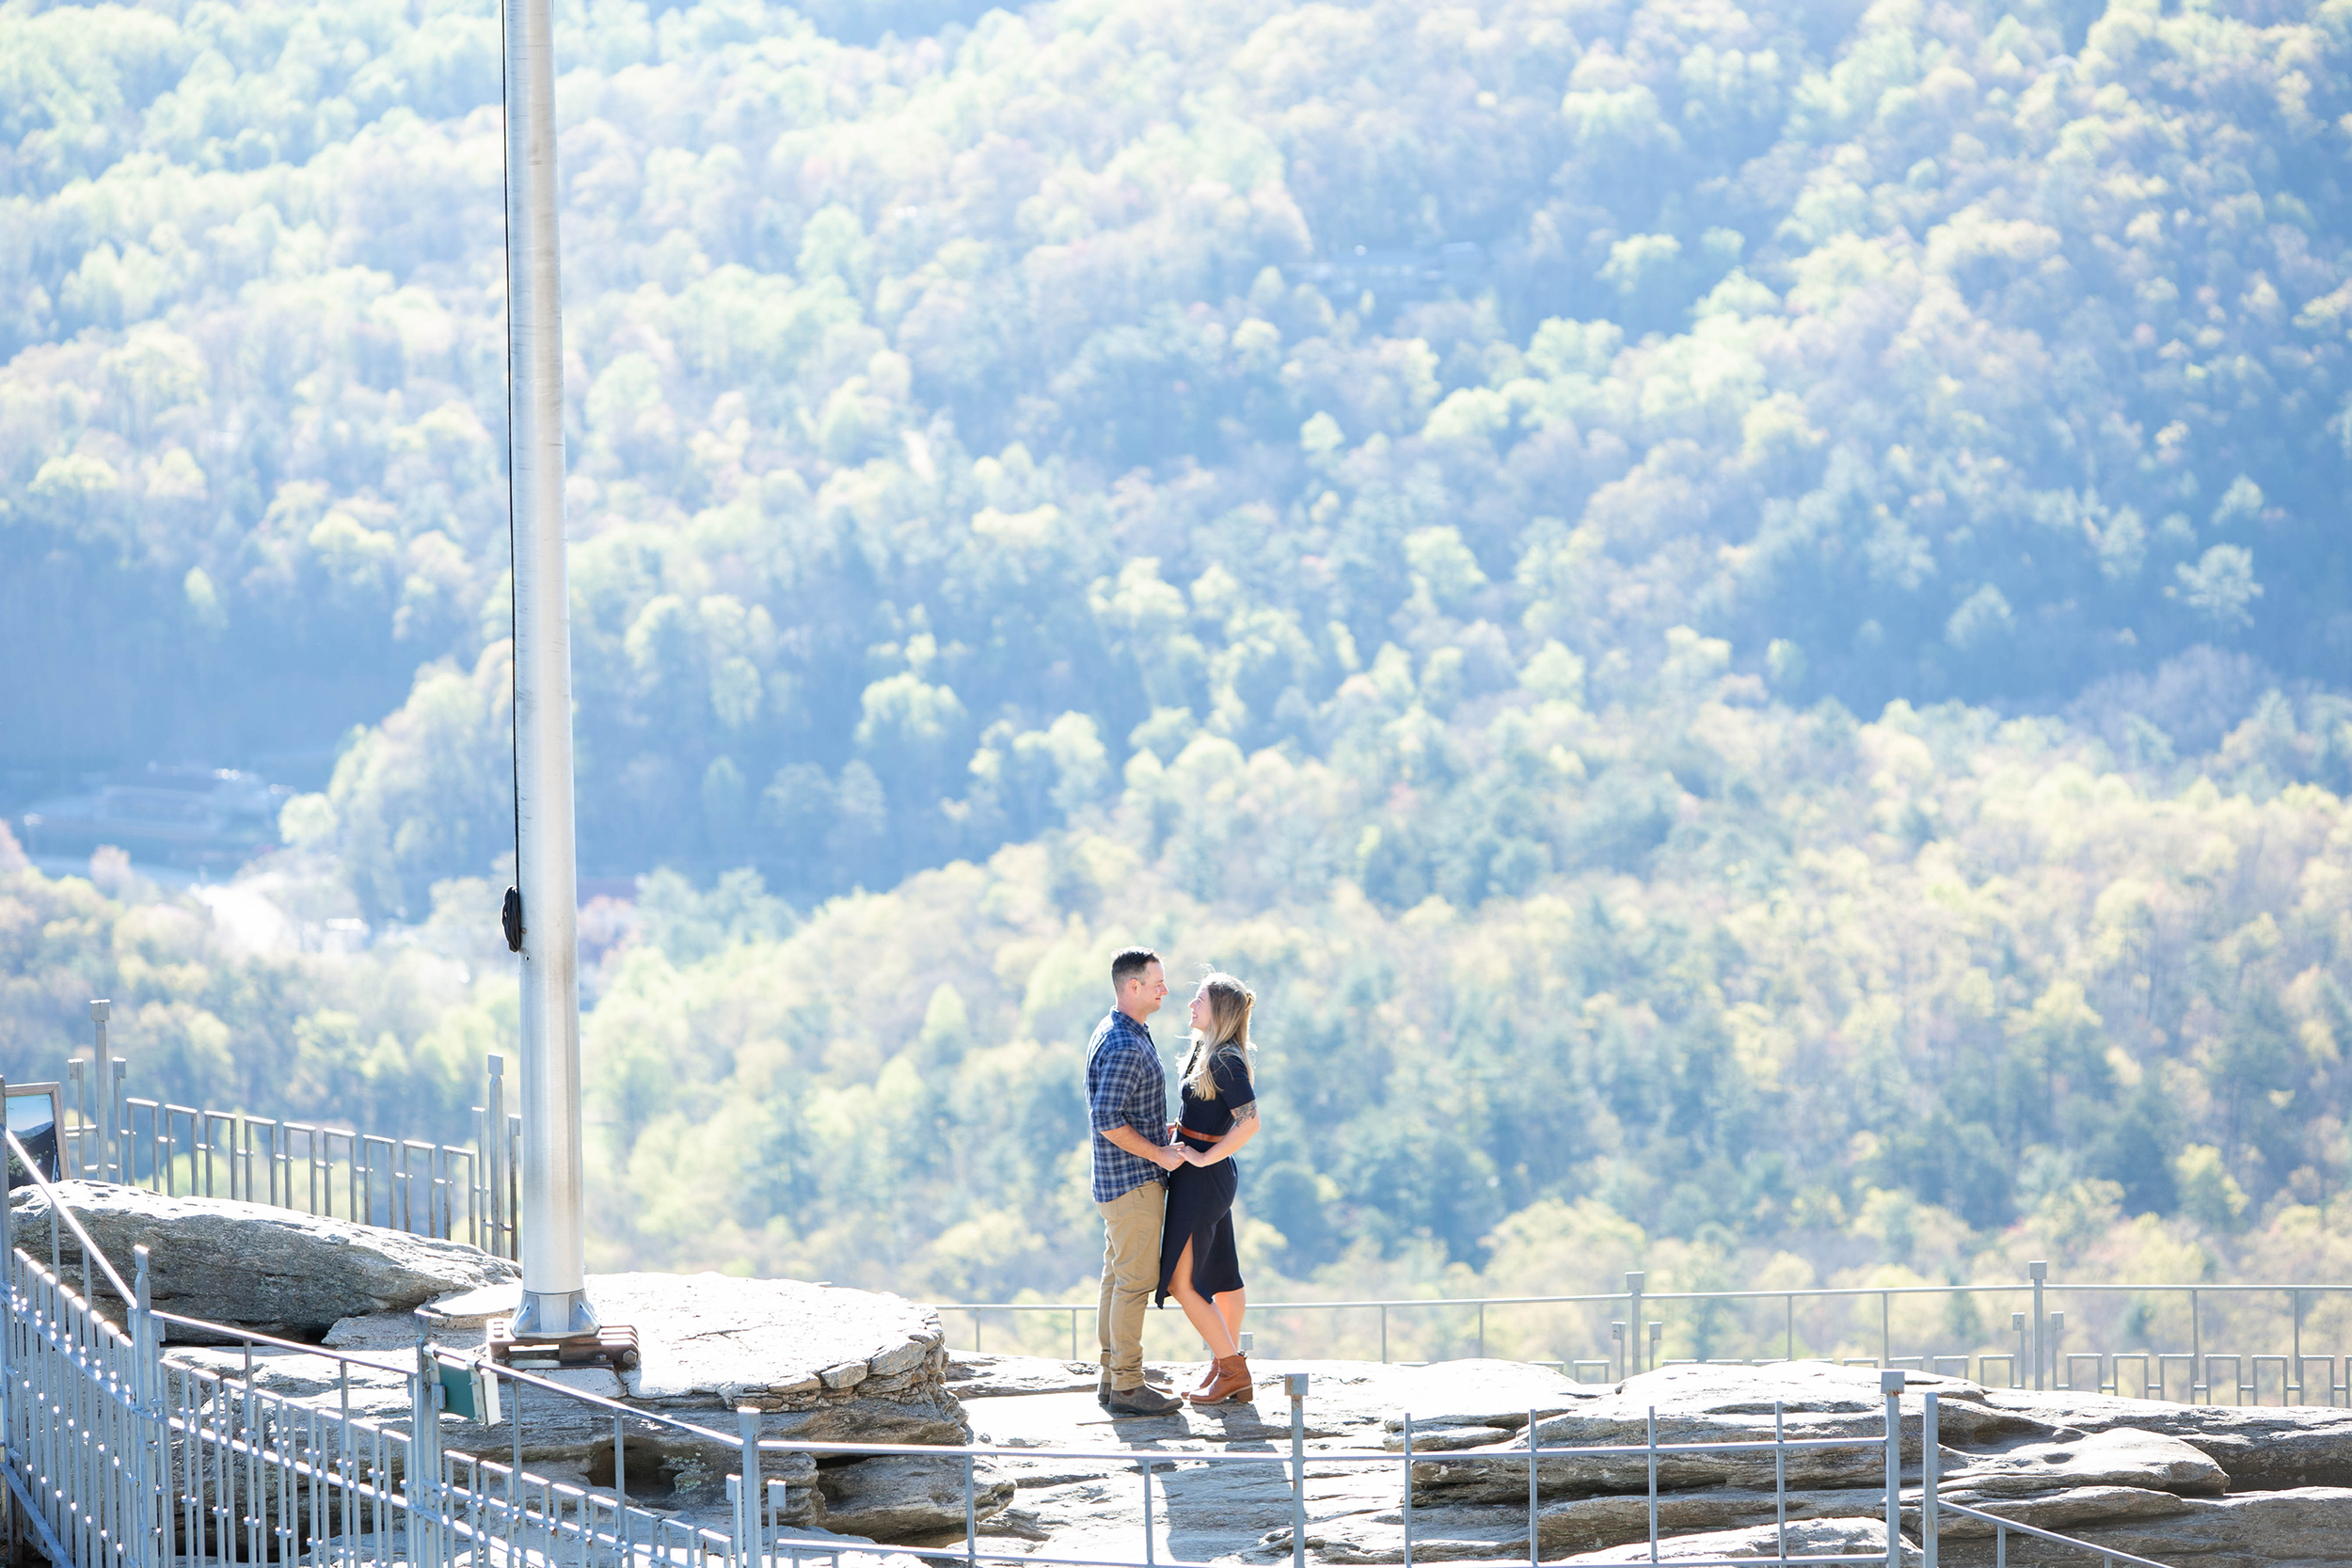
x=1164, y=1189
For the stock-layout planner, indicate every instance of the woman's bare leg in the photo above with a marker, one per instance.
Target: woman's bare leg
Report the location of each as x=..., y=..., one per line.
x=1197, y=1311
x=1229, y=1307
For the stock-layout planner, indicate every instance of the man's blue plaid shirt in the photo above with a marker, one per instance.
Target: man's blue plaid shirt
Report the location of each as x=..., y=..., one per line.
x=1124, y=1088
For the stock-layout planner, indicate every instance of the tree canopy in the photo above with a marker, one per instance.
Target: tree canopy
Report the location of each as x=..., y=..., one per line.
x=1773, y=567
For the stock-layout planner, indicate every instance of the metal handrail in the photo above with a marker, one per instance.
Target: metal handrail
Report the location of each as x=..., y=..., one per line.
x=1799, y=1294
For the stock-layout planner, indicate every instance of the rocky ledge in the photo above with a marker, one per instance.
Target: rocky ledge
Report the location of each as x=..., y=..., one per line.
x=293, y=1274
x=2174, y=1483
x=2219, y=1486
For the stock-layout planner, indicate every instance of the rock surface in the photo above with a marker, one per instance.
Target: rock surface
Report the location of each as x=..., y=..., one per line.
x=293, y=1274
x=820, y=1364
x=2222, y=1487
x=2261, y=1449
x=1814, y=1538
x=897, y=1499
x=2050, y=1463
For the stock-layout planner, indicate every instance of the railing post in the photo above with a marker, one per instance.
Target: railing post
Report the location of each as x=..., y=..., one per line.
x=143, y=1478
x=1891, y=1385
x=494, y=1121
x=2039, y=1271
x=1633, y=1282
x=1930, y=1469
x=1657, y=1332
x=103, y=1077
x=422, y=1485
x=1295, y=1384
x=2196, y=1350
x=1408, y=1484
x=752, y=1548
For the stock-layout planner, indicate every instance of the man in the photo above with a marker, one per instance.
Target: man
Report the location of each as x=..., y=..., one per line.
x=1127, y=1107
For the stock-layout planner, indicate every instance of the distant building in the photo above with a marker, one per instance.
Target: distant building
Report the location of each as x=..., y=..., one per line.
x=1395, y=276
x=187, y=816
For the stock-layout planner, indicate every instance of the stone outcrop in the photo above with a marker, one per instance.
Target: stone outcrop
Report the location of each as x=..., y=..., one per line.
x=2161, y=1487
x=906, y=1499
x=820, y=1364
x=268, y=1268
x=2262, y=1449
x=2219, y=1486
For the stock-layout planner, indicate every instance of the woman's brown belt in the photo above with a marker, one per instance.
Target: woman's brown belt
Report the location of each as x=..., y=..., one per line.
x=1204, y=1138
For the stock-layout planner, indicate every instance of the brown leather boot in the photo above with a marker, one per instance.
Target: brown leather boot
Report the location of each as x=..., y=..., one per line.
x=1209, y=1375
x=1233, y=1381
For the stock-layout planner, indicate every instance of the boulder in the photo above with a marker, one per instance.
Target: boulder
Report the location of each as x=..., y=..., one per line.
x=2117, y=1456
x=255, y=1266
x=905, y=1499
x=2261, y=1449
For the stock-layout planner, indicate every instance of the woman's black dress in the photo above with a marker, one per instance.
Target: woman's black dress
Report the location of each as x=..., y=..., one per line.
x=1201, y=1197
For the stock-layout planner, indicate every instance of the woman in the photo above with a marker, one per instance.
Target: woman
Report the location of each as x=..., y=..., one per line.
x=1198, y=1263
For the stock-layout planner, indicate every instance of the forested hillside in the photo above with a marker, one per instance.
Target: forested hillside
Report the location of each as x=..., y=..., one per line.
x=1738, y=611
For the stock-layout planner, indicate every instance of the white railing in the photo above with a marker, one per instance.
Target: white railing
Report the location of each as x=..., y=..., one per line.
x=120, y=1456
x=472, y=1193
x=2040, y=1360
x=400, y=1183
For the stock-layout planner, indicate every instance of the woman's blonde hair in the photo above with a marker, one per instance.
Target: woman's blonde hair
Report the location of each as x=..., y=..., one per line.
x=1229, y=1002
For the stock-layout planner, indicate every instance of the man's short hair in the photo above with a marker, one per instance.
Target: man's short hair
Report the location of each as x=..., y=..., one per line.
x=1129, y=963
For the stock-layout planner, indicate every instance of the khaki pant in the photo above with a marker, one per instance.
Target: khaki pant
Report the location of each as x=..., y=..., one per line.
x=1131, y=1272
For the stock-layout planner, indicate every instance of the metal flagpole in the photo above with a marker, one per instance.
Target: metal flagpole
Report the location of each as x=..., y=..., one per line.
x=544, y=928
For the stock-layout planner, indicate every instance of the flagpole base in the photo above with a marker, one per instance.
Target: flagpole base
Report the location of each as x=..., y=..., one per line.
x=554, y=1314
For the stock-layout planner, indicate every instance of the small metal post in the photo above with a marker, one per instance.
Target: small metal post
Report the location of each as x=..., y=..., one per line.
x=1245, y=1340
x=1891, y=1385
x=146, y=1383
x=1633, y=1282
x=2196, y=1351
x=972, y=1517
x=2039, y=1271
x=1930, y=1468
x=1295, y=1384
x=1886, y=1337
x=2296, y=1306
x=2058, y=1336
x=1624, y=1353
x=494, y=1155
x=1408, y=1484
x=1384, y=1333
x=423, y=1482
x=102, y=1076
x=1657, y=1332
x=1652, y=1431
x=1788, y=1307
x=1534, y=1522
x=747, y=1428
x=1780, y=1480
x=2017, y=1366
